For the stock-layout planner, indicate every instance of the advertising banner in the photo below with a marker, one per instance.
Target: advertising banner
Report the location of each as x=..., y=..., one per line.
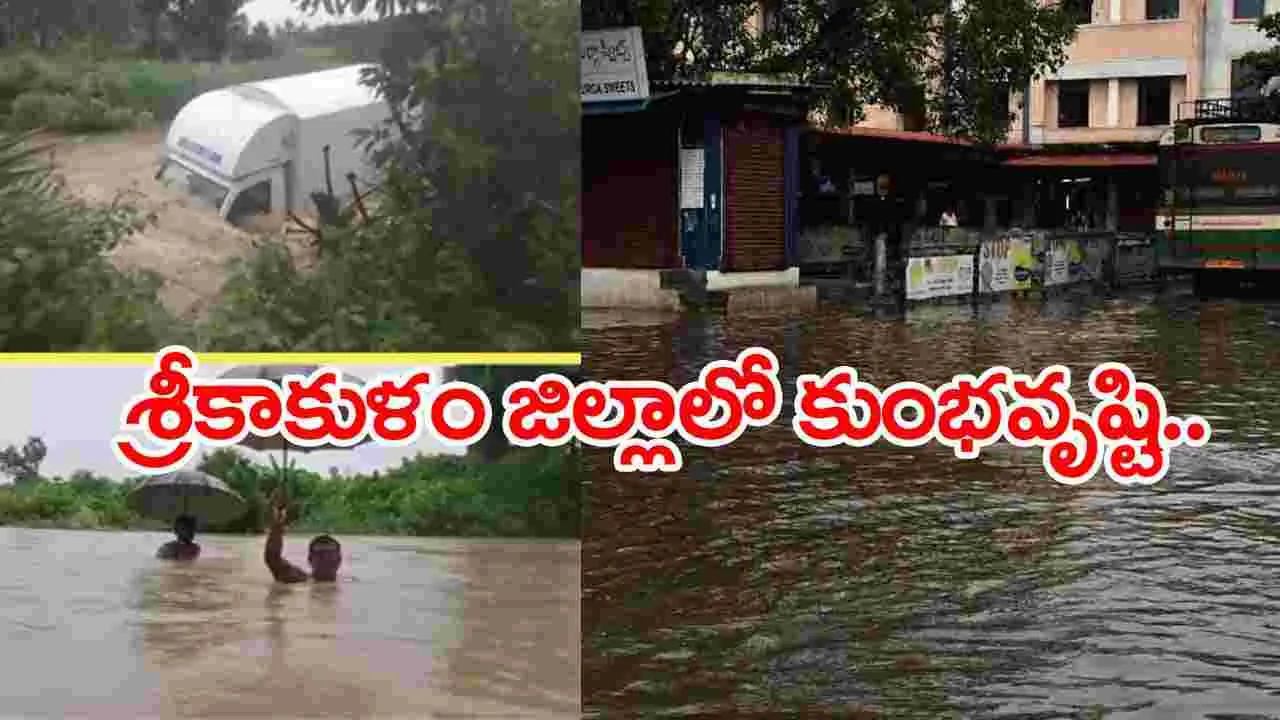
x=1087, y=262
x=1006, y=264
x=930, y=277
x=1057, y=262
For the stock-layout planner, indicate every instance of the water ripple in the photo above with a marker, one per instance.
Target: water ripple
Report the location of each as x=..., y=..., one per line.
x=773, y=577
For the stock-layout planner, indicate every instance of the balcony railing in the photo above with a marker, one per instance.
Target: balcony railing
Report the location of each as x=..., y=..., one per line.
x=1233, y=109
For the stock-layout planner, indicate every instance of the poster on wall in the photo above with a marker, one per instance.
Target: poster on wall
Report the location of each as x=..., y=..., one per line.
x=1006, y=264
x=1058, y=259
x=931, y=277
x=693, y=165
x=1087, y=257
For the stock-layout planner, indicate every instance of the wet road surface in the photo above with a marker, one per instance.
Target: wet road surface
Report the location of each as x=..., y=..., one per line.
x=884, y=582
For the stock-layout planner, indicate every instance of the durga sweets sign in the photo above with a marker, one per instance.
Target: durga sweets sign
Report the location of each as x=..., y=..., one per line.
x=613, y=67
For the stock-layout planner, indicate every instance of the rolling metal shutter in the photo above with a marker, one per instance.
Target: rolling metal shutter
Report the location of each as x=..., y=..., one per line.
x=755, y=193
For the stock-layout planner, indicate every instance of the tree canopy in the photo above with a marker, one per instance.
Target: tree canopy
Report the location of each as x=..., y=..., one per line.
x=1259, y=66
x=473, y=245
x=949, y=65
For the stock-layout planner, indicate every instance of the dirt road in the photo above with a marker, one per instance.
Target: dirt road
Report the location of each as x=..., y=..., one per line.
x=188, y=245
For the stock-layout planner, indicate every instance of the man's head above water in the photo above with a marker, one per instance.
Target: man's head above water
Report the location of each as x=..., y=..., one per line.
x=185, y=528
x=325, y=555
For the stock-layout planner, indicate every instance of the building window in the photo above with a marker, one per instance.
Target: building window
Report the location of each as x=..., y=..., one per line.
x=1080, y=10
x=1073, y=103
x=1162, y=9
x=1247, y=9
x=1153, y=101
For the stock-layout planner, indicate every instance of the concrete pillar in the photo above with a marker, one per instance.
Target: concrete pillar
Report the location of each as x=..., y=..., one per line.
x=1028, y=205
x=990, y=213
x=1113, y=205
x=880, y=276
x=1113, y=102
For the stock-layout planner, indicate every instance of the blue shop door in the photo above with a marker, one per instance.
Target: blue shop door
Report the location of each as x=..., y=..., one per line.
x=692, y=233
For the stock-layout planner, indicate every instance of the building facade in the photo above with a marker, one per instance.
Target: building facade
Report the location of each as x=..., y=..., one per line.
x=1229, y=32
x=1131, y=65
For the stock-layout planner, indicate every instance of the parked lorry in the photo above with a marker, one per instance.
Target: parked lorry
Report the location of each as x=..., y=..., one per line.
x=276, y=147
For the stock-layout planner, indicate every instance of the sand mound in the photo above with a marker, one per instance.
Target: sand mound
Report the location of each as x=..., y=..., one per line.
x=188, y=244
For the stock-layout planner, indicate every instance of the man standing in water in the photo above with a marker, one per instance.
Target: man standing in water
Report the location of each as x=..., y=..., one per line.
x=184, y=548
x=324, y=553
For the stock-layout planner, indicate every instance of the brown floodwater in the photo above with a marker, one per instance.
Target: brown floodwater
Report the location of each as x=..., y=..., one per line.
x=903, y=583
x=416, y=628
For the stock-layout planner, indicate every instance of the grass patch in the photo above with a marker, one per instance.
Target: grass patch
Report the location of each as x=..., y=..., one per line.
x=77, y=92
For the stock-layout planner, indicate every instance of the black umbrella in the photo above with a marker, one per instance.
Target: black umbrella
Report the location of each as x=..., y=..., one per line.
x=187, y=492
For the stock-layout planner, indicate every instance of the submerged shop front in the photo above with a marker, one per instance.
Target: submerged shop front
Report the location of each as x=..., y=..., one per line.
x=690, y=186
x=871, y=200
x=1112, y=189
x=1073, y=216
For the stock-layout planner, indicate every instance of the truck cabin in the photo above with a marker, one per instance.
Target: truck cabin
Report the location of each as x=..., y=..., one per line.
x=255, y=152
x=249, y=204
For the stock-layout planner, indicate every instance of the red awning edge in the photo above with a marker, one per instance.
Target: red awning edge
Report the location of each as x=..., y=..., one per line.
x=887, y=134
x=1098, y=160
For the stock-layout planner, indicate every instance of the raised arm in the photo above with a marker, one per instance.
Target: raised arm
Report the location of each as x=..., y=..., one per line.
x=282, y=570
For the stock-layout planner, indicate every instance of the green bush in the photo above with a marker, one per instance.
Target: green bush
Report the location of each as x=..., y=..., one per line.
x=58, y=288
x=529, y=493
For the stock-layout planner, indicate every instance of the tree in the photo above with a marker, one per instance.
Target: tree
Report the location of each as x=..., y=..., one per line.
x=249, y=43
x=1259, y=66
x=23, y=464
x=473, y=243
x=152, y=13
x=949, y=63
x=204, y=26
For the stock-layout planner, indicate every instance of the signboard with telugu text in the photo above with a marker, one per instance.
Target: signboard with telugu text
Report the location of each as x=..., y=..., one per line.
x=613, y=66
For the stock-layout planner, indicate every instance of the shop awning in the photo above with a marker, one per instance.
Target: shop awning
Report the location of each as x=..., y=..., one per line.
x=887, y=134
x=622, y=107
x=1083, y=161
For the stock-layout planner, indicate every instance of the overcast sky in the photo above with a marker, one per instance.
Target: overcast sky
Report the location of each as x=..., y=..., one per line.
x=275, y=12
x=76, y=410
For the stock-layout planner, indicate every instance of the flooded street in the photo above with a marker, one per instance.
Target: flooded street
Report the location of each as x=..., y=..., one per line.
x=94, y=627
x=897, y=583
x=186, y=244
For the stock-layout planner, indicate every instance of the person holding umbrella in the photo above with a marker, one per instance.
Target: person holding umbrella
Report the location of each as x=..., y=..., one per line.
x=187, y=498
x=184, y=547
x=324, y=554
